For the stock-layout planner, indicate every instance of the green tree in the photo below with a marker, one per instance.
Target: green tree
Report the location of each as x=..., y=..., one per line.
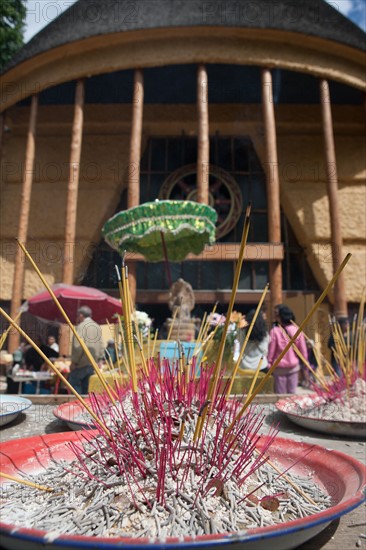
x=12, y=16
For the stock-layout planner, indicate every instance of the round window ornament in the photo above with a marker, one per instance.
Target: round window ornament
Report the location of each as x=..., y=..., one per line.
x=224, y=194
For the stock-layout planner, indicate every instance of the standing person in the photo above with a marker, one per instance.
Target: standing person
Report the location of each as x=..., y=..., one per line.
x=286, y=374
x=257, y=345
x=80, y=368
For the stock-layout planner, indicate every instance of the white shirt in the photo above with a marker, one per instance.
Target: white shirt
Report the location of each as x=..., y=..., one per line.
x=253, y=352
x=55, y=347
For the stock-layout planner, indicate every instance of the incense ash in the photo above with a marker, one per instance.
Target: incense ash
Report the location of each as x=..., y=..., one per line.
x=340, y=404
x=149, y=476
x=173, y=456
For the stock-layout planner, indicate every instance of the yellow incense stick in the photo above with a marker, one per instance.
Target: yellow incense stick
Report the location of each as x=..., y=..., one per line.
x=249, y=331
x=126, y=318
x=115, y=341
x=202, y=348
x=154, y=343
x=200, y=332
x=254, y=379
x=128, y=326
x=204, y=345
x=320, y=370
x=213, y=386
x=173, y=321
x=54, y=369
x=148, y=345
x=305, y=362
x=25, y=482
x=319, y=358
x=63, y=313
x=143, y=359
x=361, y=329
x=124, y=353
x=205, y=325
x=124, y=307
x=293, y=339
x=140, y=343
x=131, y=335
x=289, y=481
x=353, y=343
x=6, y=332
x=217, y=369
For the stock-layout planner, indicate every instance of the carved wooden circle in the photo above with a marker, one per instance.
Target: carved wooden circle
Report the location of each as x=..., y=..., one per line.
x=224, y=194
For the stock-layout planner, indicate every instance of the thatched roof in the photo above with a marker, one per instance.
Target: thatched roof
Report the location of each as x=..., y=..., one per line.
x=87, y=19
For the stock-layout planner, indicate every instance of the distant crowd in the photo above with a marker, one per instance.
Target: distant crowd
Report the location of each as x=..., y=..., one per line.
x=265, y=345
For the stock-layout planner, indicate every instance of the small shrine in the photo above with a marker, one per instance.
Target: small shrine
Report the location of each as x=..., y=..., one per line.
x=181, y=326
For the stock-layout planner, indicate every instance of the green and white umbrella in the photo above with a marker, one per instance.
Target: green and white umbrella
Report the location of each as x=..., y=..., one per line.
x=162, y=230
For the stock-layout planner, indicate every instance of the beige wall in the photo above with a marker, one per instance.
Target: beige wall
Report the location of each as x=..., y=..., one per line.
x=104, y=163
x=305, y=202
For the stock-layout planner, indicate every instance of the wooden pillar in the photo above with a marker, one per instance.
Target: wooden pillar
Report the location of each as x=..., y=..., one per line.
x=19, y=267
x=133, y=189
x=272, y=186
x=72, y=204
x=203, y=154
x=340, y=302
x=73, y=186
x=2, y=124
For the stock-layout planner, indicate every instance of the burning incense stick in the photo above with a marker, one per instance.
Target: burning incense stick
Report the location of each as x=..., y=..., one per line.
x=25, y=482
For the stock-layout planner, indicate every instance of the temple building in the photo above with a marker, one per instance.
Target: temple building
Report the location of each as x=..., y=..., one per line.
x=116, y=103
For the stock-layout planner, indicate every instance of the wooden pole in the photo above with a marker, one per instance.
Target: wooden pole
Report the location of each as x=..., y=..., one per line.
x=73, y=186
x=2, y=124
x=133, y=190
x=18, y=280
x=72, y=204
x=272, y=186
x=203, y=154
x=340, y=302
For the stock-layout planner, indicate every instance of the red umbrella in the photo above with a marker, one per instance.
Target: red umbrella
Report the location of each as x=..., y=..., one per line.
x=71, y=298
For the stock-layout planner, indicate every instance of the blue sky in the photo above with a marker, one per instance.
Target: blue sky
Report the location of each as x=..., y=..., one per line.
x=41, y=12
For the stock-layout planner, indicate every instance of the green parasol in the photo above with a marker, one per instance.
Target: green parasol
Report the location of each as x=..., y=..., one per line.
x=160, y=230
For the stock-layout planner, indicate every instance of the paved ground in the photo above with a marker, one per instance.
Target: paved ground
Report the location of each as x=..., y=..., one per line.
x=345, y=534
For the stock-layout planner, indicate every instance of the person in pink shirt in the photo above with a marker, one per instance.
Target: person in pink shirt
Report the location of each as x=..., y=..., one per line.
x=286, y=374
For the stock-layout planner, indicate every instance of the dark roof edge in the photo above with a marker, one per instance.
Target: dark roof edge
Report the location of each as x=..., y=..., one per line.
x=85, y=20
